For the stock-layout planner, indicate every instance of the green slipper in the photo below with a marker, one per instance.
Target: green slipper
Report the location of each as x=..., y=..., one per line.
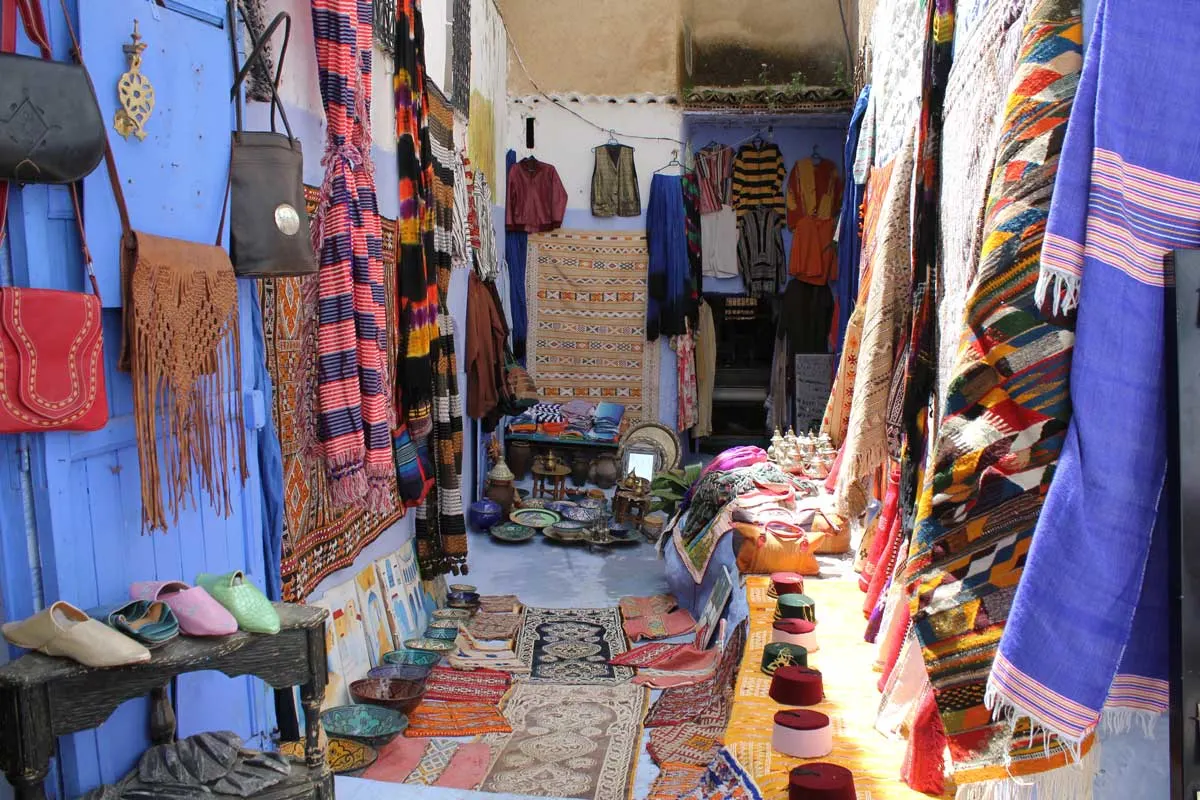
x=249, y=606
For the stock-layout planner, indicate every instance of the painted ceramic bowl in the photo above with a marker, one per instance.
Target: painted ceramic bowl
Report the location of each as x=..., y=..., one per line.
x=512, y=532
x=560, y=506
x=452, y=624
x=445, y=634
x=535, y=517
x=534, y=502
x=588, y=516
x=401, y=672
x=622, y=532
x=566, y=532
x=409, y=657
x=597, y=503
x=462, y=587
x=454, y=614
x=466, y=600
x=576, y=495
x=435, y=646
x=370, y=724
x=344, y=756
x=483, y=514
x=397, y=695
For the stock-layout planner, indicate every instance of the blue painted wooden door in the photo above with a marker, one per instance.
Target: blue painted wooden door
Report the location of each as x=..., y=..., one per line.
x=70, y=504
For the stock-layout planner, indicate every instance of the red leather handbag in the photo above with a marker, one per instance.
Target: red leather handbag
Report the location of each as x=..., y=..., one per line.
x=51, y=347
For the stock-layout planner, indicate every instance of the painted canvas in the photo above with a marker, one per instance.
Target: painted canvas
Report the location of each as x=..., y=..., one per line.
x=374, y=614
x=714, y=609
x=336, y=687
x=404, y=620
x=410, y=575
x=349, y=630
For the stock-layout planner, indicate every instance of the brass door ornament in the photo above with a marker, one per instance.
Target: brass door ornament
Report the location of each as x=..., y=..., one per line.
x=134, y=91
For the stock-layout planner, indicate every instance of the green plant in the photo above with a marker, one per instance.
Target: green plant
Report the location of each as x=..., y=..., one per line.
x=668, y=488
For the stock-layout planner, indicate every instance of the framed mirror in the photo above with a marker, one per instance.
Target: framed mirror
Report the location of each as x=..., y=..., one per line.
x=648, y=449
x=644, y=463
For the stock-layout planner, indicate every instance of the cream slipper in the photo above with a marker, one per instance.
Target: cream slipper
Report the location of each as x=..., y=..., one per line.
x=64, y=630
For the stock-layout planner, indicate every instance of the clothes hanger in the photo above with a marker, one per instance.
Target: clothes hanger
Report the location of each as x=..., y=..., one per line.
x=612, y=140
x=816, y=156
x=674, y=162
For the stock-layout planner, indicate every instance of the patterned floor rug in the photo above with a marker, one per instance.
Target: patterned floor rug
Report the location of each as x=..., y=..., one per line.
x=648, y=655
x=587, y=320
x=709, y=698
x=573, y=645
x=467, y=686
x=675, y=780
x=571, y=741
x=433, y=718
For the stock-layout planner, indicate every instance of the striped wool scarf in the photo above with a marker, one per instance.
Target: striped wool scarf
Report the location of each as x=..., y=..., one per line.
x=352, y=379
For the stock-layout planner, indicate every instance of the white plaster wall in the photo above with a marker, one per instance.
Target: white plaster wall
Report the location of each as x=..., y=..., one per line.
x=564, y=140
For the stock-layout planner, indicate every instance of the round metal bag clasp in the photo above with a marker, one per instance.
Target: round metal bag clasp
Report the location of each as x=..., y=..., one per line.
x=286, y=219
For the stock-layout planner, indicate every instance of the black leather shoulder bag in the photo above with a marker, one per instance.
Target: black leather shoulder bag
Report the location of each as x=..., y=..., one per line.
x=269, y=233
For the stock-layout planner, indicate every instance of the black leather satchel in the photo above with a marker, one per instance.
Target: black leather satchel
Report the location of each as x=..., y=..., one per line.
x=269, y=233
x=51, y=130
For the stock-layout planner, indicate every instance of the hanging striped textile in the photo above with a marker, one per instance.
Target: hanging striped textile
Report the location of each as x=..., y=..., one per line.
x=441, y=533
x=417, y=276
x=352, y=380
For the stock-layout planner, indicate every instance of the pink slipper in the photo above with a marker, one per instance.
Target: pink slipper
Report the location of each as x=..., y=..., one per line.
x=199, y=614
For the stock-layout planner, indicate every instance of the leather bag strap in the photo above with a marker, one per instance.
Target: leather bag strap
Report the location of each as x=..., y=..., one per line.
x=34, y=21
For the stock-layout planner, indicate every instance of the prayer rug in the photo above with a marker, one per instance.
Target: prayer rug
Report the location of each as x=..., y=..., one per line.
x=494, y=627
x=499, y=604
x=846, y=664
x=648, y=655
x=724, y=779
x=319, y=537
x=1005, y=420
x=468, y=686
x=675, y=780
x=455, y=719
x=632, y=607
x=707, y=699
x=587, y=294
x=571, y=741
x=573, y=645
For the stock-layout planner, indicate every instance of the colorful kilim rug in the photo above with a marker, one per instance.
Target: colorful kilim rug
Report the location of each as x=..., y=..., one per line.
x=725, y=779
x=318, y=538
x=455, y=719
x=687, y=743
x=633, y=607
x=473, y=686
x=846, y=664
x=587, y=320
x=1005, y=420
x=573, y=645
x=674, y=780
x=571, y=741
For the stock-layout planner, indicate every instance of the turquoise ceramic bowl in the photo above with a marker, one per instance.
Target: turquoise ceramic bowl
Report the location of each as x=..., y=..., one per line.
x=406, y=656
x=447, y=634
x=372, y=725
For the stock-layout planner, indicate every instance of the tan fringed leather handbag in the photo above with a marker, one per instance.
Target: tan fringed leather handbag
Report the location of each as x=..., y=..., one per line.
x=182, y=350
x=775, y=546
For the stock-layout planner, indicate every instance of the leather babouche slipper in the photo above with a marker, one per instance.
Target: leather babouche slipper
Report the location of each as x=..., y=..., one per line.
x=249, y=606
x=147, y=622
x=64, y=630
x=198, y=612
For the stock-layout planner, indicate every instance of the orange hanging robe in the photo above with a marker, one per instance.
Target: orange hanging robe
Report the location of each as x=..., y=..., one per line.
x=814, y=198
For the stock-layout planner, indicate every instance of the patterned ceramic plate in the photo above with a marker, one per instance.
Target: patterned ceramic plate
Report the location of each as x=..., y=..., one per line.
x=560, y=506
x=512, y=532
x=431, y=645
x=534, y=517
x=445, y=634
x=593, y=502
x=451, y=614
x=534, y=502
x=344, y=756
